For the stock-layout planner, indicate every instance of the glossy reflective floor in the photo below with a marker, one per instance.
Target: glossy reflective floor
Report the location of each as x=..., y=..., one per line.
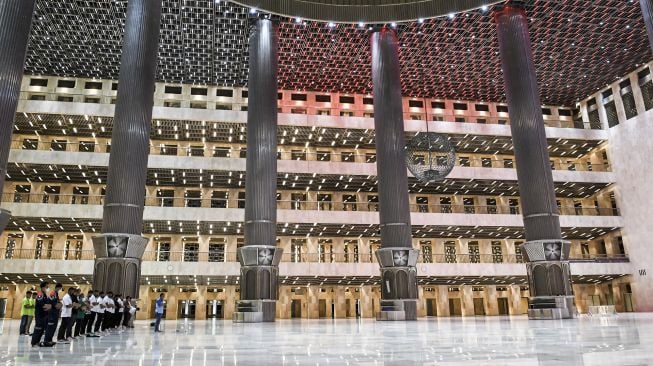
x=623, y=340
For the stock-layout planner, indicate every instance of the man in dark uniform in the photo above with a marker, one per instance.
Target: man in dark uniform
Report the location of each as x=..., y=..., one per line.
x=53, y=316
x=41, y=314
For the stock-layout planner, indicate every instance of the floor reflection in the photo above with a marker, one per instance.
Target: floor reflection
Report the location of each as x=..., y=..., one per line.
x=623, y=340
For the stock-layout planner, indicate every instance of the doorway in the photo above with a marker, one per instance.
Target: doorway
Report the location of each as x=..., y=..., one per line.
x=454, y=307
x=502, y=303
x=628, y=303
x=186, y=309
x=322, y=308
x=479, y=306
x=296, y=309
x=431, y=307
x=3, y=308
x=214, y=309
x=524, y=305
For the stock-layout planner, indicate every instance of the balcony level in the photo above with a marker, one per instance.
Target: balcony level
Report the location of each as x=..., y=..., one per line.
x=313, y=268
x=102, y=93
x=421, y=215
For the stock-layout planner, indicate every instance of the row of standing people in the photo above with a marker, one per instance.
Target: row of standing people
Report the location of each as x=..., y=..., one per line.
x=92, y=315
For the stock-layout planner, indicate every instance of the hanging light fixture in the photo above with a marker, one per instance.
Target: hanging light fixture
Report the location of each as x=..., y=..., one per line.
x=429, y=156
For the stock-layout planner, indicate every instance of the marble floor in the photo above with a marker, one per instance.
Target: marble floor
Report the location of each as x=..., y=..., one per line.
x=623, y=340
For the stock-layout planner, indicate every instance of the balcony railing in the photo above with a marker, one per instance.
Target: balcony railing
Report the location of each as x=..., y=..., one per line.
x=289, y=106
x=46, y=254
x=53, y=198
x=58, y=144
x=287, y=257
x=80, y=199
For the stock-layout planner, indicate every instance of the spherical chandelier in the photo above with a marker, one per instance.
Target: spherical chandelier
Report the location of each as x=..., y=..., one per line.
x=430, y=157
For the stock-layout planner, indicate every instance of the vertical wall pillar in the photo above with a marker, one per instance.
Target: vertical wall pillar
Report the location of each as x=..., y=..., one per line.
x=547, y=253
x=259, y=257
x=15, y=25
x=396, y=257
x=647, y=13
x=120, y=248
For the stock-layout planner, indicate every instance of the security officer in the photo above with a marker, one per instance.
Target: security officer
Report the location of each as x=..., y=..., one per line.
x=42, y=311
x=53, y=316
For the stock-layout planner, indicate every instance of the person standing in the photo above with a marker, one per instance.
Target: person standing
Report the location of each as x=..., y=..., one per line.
x=25, y=313
x=132, y=313
x=94, y=309
x=126, y=312
x=53, y=315
x=119, y=312
x=64, y=335
x=100, y=313
x=158, y=312
x=109, y=310
x=43, y=306
x=80, y=326
x=31, y=313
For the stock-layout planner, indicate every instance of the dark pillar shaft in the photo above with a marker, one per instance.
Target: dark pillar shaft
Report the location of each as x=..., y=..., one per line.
x=396, y=256
x=647, y=13
x=537, y=193
x=130, y=139
x=15, y=24
x=121, y=247
x=259, y=258
x=527, y=125
x=394, y=211
x=261, y=162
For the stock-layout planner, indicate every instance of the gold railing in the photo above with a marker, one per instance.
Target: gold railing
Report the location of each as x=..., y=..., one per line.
x=324, y=205
x=287, y=257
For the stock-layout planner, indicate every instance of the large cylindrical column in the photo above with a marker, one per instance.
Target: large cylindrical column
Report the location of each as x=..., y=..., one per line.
x=120, y=247
x=15, y=25
x=548, y=268
x=259, y=258
x=397, y=257
x=647, y=13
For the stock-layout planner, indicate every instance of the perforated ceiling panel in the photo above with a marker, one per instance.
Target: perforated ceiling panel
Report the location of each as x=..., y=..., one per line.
x=354, y=11
x=579, y=46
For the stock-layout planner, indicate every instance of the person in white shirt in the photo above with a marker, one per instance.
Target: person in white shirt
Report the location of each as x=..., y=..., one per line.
x=65, y=328
x=127, y=311
x=100, y=312
x=119, y=312
x=109, y=310
x=132, y=314
x=92, y=315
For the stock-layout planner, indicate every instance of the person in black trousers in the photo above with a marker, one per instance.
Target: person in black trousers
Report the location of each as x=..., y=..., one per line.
x=93, y=308
x=53, y=315
x=67, y=311
x=41, y=314
x=78, y=314
x=80, y=322
x=126, y=313
x=100, y=315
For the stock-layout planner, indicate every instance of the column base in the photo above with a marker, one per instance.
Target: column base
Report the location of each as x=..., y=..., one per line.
x=551, y=308
x=5, y=216
x=397, y=310
x=255, y=311
x=117, y=265
x=398, y=283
